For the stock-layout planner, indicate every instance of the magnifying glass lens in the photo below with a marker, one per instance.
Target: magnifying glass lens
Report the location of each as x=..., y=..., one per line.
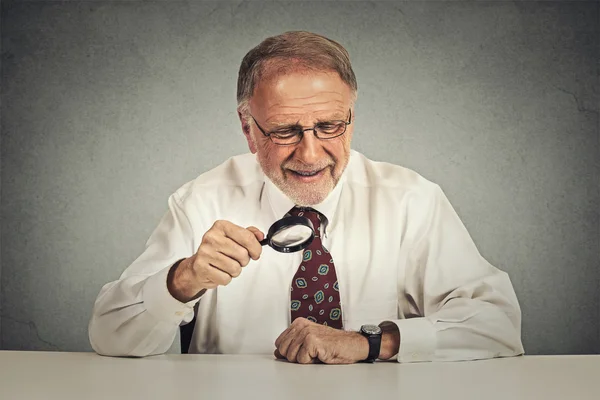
x=292, y=235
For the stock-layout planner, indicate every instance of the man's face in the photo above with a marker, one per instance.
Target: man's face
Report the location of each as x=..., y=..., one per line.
x=308, y=171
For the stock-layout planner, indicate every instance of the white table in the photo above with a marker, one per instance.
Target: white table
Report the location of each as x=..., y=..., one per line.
x=65, y=376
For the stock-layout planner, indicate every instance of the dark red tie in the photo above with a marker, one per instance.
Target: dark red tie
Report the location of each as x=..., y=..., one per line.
x=315, y=292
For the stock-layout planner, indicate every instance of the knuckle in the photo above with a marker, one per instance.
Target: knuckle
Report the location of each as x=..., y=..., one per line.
x=244, y=259
x=209, y=237
x=282, y=352
x=202, y=254
x=258, y=251
x=251, y=242
x=236, y=271
x=303, y=357
x=250, y=237
x=305, y=330
x=241, y=254
x=231, y=263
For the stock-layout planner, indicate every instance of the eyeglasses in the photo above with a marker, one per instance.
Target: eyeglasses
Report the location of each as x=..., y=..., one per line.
x=293, y=134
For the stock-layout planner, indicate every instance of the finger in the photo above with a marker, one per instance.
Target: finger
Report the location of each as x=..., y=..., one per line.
x=257, y=232
x=311, y=345
x=284, y=344
x=304, y=356
x=297, y=324
x=229, y=248
x=282, y=336
x=226, y=264
x=278, y=355
x=295, y=344
x=245, y=238
x=215, y=275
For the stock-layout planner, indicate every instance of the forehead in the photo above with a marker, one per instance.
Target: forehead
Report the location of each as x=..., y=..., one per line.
x=301, y=93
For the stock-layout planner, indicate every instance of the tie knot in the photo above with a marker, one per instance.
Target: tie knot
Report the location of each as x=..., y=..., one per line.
x=312, y=214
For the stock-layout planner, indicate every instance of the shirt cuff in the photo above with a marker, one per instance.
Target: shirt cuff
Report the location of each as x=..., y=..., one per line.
x=161, y=304
x=417, y=340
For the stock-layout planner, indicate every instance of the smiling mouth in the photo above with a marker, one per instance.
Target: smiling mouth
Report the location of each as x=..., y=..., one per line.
x=307, y=173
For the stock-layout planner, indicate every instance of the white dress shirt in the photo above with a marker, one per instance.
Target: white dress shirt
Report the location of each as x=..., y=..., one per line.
x=400, y=251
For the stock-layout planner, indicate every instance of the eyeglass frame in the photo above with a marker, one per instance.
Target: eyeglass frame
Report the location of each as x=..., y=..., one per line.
x=300, y=134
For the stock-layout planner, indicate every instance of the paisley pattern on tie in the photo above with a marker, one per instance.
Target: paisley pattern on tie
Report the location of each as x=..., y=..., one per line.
x=315, y=289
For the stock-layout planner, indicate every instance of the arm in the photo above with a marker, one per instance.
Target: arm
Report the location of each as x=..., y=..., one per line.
x=456, y=306
x=136, y=315
x=459, y=306
x=139, y=314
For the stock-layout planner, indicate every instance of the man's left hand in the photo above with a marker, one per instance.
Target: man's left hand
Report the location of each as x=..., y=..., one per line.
x=306, y=342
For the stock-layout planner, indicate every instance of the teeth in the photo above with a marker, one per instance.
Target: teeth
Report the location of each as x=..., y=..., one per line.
x=306, y=173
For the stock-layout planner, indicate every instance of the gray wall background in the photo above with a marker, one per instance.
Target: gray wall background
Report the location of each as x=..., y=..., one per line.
x=108, y=107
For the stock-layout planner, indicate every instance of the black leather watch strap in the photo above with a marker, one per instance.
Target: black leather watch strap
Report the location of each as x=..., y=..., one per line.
x=373, y=335
x=374, y=347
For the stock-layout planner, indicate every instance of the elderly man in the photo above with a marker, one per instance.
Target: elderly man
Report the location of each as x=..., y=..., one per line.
x=391, y=273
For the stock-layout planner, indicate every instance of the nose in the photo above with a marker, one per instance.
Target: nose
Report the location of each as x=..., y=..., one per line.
x=310, y=149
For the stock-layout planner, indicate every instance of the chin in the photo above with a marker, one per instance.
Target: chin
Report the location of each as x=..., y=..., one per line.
x=304, y=202
x=307, y=197
x=304, y=195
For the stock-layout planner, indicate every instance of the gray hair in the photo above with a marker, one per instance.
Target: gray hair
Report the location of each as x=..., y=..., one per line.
x=292, y=50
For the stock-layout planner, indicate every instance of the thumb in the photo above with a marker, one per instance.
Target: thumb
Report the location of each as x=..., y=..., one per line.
x=259, y=235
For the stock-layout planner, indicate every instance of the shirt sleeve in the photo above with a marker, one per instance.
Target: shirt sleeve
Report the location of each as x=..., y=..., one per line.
x=459, y=306
x=136, y=315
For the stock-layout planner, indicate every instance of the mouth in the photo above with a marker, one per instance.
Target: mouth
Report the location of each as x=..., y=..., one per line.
x=307, y=176
x=306, y=173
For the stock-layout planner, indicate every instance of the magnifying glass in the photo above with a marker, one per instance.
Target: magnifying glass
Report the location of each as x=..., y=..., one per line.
x=290, y=234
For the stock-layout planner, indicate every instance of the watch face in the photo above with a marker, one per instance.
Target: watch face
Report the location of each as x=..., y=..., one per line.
x=371, y=329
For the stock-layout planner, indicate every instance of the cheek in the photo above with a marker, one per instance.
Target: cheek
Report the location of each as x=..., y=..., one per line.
x=340, y=148
x=272, y=154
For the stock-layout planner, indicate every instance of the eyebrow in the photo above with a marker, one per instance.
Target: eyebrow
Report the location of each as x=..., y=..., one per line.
x=334, y=117
x=283, y=125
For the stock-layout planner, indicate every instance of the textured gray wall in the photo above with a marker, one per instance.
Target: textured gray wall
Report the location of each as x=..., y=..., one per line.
x=107, y=108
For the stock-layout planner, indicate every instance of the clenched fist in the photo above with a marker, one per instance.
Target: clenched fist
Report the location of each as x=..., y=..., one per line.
x=306, y=342
x=225, y=249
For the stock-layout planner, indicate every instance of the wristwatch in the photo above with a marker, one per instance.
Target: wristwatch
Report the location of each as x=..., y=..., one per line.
x=373, y=335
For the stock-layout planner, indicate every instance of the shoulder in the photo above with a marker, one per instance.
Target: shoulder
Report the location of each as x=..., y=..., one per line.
x=235, y=175
x=400, y=192
x=386, y=177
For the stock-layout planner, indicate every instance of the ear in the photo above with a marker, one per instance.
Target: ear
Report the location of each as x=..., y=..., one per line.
x=246, y=130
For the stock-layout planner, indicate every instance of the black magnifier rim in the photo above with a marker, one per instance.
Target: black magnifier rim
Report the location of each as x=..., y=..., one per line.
x=286, y=223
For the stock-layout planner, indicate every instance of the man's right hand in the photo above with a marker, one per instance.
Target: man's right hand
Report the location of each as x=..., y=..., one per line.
x=225, y=249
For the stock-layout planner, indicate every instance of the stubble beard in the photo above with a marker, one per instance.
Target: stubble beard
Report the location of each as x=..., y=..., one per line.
x=304, y=194
x=309, y=193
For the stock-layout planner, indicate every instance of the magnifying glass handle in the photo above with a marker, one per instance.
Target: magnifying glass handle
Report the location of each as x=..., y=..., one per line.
x=264, y=241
